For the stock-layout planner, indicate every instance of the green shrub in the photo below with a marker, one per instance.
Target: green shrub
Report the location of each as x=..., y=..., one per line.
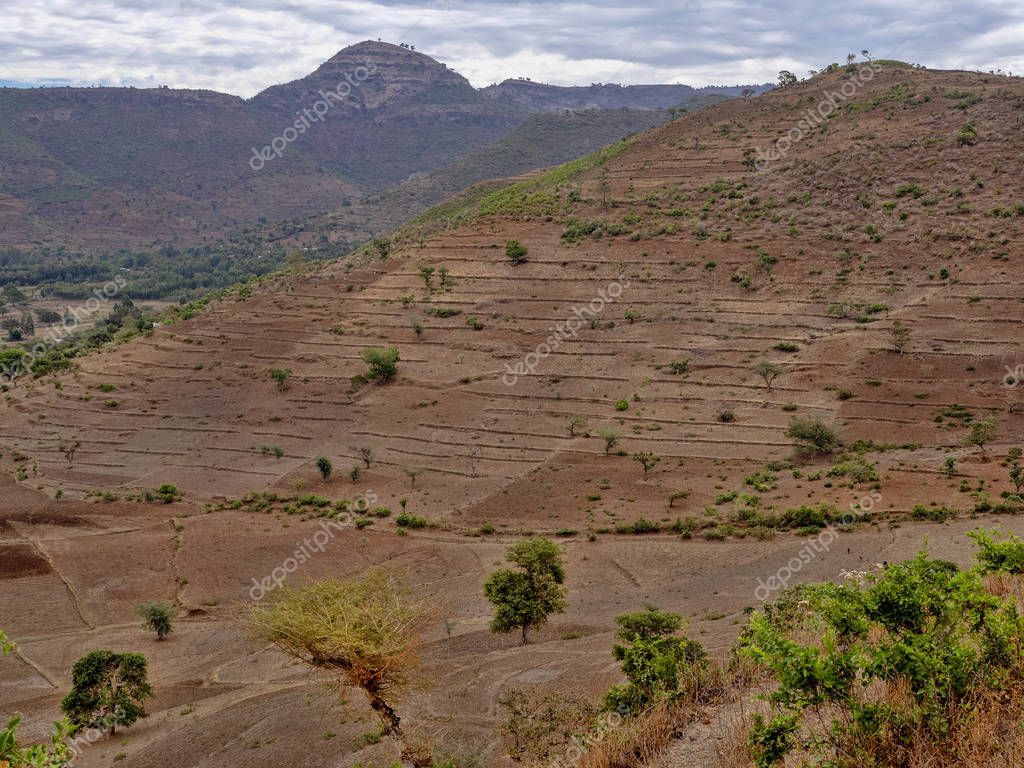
x=912, y=656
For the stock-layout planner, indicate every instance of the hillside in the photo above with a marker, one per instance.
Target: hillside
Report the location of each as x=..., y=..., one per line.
x=660, y=272
x=101, y=169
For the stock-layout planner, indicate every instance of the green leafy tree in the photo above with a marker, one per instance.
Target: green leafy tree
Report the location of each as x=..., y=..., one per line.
x=158, y=617
x=107, y=690
x=524, y=597
x=366, y=631
x=610, y=437
x=1017, y=476
x=982, y=432
x=427, y=275
x=516, y=252
x=383, y=364
x=280, y=376
x=657, y=660
x=787, y=79
x=812, y=435
x=324, y=467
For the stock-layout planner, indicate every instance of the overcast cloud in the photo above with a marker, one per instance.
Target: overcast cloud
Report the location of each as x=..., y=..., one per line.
x=243, y=46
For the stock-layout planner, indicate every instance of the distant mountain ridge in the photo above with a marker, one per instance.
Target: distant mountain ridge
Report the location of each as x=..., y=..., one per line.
x=109, y=168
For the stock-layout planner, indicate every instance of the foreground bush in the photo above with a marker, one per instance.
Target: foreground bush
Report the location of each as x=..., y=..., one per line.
x=917, y=664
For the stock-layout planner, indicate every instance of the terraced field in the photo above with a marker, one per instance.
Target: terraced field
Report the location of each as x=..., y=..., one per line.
x=686, y=265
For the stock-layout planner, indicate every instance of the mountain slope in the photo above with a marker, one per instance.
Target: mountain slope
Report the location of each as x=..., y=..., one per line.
x=110, y=168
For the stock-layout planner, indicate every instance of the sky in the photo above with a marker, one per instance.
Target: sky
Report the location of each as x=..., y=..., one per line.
x=244, y=46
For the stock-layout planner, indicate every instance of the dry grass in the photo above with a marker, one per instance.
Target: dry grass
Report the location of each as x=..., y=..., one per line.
x=638, y=741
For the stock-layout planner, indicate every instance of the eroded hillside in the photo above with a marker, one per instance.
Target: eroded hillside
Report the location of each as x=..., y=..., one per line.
x=688, y=261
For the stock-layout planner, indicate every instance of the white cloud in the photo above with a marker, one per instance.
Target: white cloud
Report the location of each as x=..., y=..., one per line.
x=242, y=47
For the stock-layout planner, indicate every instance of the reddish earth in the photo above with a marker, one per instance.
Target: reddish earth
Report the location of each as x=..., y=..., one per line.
x=194, y=404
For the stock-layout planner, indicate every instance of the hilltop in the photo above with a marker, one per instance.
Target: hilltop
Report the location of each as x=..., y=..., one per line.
x=659, y=273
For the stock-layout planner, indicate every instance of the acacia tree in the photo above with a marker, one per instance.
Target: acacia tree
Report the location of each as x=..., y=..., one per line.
x=610, y=437
x=158, y=617
x=366, y=631
x=524, y=597
x=324, y=467
x=516, y=252
x=574, y=423
x=647, y=460
x=107, y=690
x=383, y=364
x=900, y=336
x=69, y=449
x=769, y=372
x=812, y=435
x=983, y=432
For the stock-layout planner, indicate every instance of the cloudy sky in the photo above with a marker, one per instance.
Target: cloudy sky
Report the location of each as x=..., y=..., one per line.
x=243, y=46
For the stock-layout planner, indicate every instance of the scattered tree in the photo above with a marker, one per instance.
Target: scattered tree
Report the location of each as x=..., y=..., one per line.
x=647, y=460
x=812, y=435
x=412, y=473
x=69, y=449
x=1017, y=476
x=366, y=631
x=366, y=454
x=525, y=596
x=575, y=423
x=158, y=617
x=769, y=372
x=516, y=252
x=610, y=437
x=983, y=432
x=417, y=328
x=281, y=377
x=383, y=364
x=787, y=78
x=900, y=336
x=324, y=467
x=427, y=274
x=107, y=690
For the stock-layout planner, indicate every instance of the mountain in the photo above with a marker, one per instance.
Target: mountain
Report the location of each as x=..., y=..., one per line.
x=538, y=97
x=110, y=168
x=402, y=113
